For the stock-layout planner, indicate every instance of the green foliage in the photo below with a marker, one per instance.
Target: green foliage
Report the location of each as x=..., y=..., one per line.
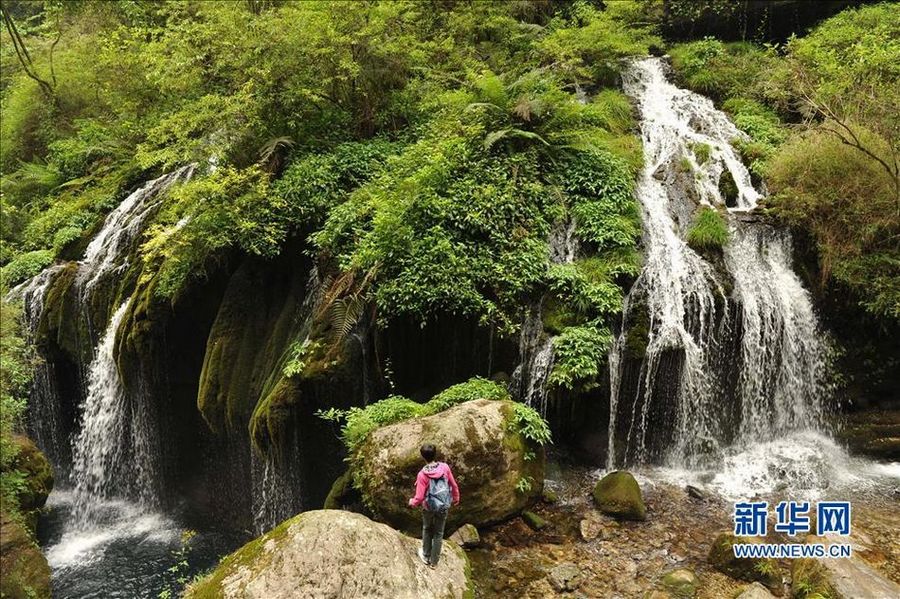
x=18, y=361
x=846, y=202
x=529, y=423
x=724, y=70
x=709, y=230
x=579, y=354
x=475, y=388
x=24, y=266
x=701, y=152
x=359, y=422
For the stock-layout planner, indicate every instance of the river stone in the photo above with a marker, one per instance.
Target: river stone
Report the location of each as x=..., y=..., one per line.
x=681, y=583
x=488, y=457
x=721, y=557
x=565, y=577
x=534, y=521
x=24, y=573
x=618, y=494
x=466, y=536
x=330, y=553
x=756, y=591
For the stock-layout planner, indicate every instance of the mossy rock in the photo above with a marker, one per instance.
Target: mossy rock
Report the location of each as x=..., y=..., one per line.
x=721, y=557
x=332, y=553
x=681, y=583
x=24, y=573
x=534, y=521
x=31, y=462
x=728, y=188
x=488, y=455
x=342, y=493
x=618, y=494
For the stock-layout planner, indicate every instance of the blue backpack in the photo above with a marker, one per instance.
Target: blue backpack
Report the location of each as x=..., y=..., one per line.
x=438, y=498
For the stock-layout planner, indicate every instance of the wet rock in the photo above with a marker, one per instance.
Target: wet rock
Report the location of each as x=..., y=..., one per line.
x=566, y=577
x=721, y=557
x=756, y=591
x=695, y=492
x=549, y=496
x=331, y=553
x=466, y=536
x=534, y=521
x=488, y=456
x=24, y=572
x=618, y=494
x=681, y=583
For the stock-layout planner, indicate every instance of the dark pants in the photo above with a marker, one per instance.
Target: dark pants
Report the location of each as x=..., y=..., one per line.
x=433, y=534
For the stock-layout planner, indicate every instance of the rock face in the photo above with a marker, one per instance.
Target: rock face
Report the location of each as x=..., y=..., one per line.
x=721, y=556
x=24, y=572
x=327, y=554
x=489, y=458
x=618, y=494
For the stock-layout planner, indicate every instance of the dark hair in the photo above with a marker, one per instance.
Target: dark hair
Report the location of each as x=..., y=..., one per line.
x=428, y=452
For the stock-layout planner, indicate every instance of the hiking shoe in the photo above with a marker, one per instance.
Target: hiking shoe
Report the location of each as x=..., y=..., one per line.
x=422, y=557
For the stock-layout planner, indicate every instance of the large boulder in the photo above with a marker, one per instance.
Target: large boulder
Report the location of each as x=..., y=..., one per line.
x=618, y=494
x=498, y=470
x=24, y=573
x=328, y=554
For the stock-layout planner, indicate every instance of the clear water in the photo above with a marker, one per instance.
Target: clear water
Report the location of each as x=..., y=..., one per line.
x=125, y=553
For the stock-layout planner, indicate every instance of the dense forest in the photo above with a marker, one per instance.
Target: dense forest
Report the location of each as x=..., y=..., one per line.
x=359, y=206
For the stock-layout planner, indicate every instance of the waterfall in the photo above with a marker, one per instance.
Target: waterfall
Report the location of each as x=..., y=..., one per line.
x=115, y=450
x=781, y=355
x=784, y=374
x=530, y=377
x=45, y=418
x=107, y=252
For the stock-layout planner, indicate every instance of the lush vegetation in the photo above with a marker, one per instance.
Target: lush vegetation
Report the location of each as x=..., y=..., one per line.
x=359, y=422
x=709, y=231
x=821, y=113
x=15, y=377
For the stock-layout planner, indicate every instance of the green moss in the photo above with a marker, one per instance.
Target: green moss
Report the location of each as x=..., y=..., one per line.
x=251, y=554
x=709, y=231
x=684, y=165
x=534, y=521
x=618, y=494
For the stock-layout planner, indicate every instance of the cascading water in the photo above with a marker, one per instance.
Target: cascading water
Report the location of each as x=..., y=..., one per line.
x=107, y=252
x=781, y=356
x=45, y=418
x=530, y=377
x=115, y=451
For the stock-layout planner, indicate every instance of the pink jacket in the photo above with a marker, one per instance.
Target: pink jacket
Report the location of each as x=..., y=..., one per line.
x=433, y=470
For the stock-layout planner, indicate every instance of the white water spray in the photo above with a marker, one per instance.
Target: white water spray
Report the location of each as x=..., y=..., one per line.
x=782, y=358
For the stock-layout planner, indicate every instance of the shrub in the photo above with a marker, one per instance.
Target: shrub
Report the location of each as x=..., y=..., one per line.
x=579, y=353
x=709, y=231
x=25, y=266
x=846, y=201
